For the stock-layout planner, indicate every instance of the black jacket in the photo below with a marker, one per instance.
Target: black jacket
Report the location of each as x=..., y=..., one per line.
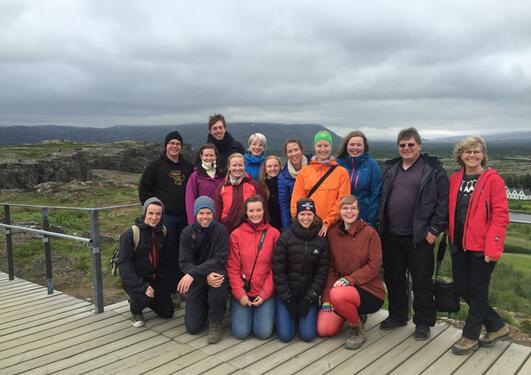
x=431, y=207
x=300, y=263
x=136, y=267
x=227, y=146
x=199, y=255
x=272, y=203
x=166, y=180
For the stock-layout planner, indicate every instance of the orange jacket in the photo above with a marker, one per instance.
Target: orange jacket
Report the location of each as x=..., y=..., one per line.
x=327, y=196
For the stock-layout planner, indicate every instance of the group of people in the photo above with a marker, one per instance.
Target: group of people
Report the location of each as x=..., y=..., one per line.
x=299, y=249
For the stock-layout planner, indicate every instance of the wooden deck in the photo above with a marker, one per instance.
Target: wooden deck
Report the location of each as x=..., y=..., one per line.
x=41, y=334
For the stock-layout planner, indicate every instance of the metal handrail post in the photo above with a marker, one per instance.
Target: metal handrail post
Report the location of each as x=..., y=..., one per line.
x=97, y=279
x=46, y=240
x=9, y=243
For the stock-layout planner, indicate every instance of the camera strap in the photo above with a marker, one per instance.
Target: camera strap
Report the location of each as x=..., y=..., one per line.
x=260, y=244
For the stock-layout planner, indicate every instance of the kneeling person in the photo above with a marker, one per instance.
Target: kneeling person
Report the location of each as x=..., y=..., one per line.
x=202, y=257
x=138, y=264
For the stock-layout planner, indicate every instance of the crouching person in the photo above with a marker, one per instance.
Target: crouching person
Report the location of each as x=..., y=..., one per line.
x=142, y=250
x=202, y=257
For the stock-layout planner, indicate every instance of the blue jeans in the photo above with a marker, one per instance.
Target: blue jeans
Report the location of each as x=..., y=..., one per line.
x=286, y=325
x=259, y=319
x=174, y=225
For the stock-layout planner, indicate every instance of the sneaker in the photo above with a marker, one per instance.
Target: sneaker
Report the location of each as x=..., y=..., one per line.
x=215, y=332
x=491, y=338
x=176, y=300
x=390, y=323
x=422, y=332
x=137, y=320
x=356, y=338
x=465, y=346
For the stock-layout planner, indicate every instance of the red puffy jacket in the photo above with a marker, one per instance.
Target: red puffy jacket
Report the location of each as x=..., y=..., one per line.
x=487, y=215
x=244, y=242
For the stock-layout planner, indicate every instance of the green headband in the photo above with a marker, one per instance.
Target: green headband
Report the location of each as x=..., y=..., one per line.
x=322, y=135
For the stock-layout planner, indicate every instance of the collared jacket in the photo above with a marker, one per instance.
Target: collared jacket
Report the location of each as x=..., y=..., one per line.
x=327, y=196
x=200, y=183
x=430, y=213
x=243, y=251
x=285, y=189
x=365, y=184
x=166, y=180
x=300, y=263
x=356, y=255
x=487, y=215
x=138, y=267
x=203, y=253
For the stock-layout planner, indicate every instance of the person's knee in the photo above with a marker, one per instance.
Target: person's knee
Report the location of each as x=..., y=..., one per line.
x=240, y=332
x=307, y=335
x=263, y=332
x=284, y=335
x=193, y=326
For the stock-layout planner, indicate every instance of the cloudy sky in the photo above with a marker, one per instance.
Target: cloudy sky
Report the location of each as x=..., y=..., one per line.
x=446, y=67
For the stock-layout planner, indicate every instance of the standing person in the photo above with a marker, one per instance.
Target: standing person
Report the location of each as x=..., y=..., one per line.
x=250, y=275
x=478, y=219
x=327, y=194
x=286, y=179
x=354, y=286
x=222, y=139
x=365, y=174
x=203, y=255
x=166, y=178
x=206, y=178
x=269, y=181
x=413, y=212
x=140, y=261
x=235, y=190
x=254, y=156
x=300, y=264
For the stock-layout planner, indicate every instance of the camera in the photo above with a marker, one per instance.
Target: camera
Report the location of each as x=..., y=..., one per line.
x=246, y=285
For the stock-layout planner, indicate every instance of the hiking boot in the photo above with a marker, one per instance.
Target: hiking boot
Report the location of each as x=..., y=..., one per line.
x=137, y=320
x=422, y=332
x=356, y=337
x=215, y=332
x=363, y=318
x=491, y=338
x=465, y=346
x=176, y=300
x=390, y=323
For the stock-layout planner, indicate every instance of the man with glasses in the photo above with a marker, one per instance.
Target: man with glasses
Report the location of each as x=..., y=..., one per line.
x=413, y=212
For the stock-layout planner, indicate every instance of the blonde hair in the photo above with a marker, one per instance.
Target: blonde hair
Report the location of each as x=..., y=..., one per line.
x=263, y=174
x=466, y=143
x=232, y=156
x=257, y=137
x=348, y=199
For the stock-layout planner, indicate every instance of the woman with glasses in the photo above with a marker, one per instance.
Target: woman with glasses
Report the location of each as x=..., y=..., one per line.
x=478, y=218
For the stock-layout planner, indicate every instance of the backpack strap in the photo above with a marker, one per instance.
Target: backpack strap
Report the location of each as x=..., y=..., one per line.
x=321, y=180
x=136, y=236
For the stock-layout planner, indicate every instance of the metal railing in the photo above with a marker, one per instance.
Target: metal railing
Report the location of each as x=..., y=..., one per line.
x=93, y=242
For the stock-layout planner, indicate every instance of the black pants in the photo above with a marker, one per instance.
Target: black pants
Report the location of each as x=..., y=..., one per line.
x=369, y=303
x=174, y=225
x=471, y=281
x=161, y=304
x=204, y=302
x=399, y=255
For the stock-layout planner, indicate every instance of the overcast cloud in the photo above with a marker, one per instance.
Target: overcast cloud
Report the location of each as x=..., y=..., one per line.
x=445, y=67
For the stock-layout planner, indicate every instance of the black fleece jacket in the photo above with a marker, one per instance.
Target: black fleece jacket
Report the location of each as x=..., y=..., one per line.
x=300, y=263
x=166, y=180
x=227, y=146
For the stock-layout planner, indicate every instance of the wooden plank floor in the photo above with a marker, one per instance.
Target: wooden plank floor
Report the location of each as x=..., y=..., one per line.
x=60, y=334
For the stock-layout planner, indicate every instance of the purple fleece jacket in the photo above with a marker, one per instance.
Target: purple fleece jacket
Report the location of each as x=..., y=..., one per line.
x=199, y=184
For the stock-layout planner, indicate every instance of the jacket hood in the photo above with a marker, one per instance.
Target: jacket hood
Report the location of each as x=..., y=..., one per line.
x=249, y=229
x=165, y=158
x=227, y=140
x=140, y=223
x=201, y=171
x=353, y=230
x=315, y=163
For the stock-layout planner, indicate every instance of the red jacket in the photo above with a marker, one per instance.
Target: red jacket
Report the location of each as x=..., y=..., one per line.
x=243, y=248
x=487, y=215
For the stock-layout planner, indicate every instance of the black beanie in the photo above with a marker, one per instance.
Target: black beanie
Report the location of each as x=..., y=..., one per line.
x=173, y=135
x=305, y=204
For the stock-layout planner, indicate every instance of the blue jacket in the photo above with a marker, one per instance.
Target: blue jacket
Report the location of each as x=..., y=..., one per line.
x=285, y=188
x=366, y=184
x=253, y=164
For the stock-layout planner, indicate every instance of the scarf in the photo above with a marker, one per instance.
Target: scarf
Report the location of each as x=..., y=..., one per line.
x=210, y=169
x=291, y=169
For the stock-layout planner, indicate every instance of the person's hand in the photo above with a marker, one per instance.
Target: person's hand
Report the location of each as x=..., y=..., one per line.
x=327, y=306
x=150, y=292
x=487, y=259
x=185, y=283
x=323, y=231
x=341, y=282
x=257, y=301
x=215, y=279
x=244, y=301
x=430, y=238
x=293, y=309
x=304, y=307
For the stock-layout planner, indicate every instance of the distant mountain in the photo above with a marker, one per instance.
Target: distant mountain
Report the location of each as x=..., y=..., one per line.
x=194, y=134
x=514, y=137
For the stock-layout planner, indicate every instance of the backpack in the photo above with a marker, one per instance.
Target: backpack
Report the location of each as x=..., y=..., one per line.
x=136, y=240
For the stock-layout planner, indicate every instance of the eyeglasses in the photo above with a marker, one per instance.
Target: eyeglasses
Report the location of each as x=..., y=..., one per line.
x=348, y=208
x=472, y=152
x=404, y=145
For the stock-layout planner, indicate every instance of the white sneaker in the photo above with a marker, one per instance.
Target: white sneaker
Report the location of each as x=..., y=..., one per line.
x=137, y=320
